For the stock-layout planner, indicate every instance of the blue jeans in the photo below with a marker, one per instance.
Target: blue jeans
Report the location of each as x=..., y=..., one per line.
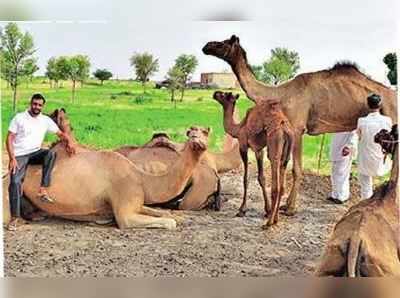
x=43, y=157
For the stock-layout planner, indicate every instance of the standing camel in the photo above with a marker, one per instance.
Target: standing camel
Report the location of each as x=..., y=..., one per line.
x=102, y=185
x=325, y=101
x=263, y=126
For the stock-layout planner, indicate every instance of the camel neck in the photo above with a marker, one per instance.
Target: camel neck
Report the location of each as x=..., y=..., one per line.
x=254, y=89
x=165, y=187
x=230, y=126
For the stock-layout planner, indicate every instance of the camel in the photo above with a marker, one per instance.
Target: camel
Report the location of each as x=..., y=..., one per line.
x=325, y=101
x=102, y=185
x=365, y=242
x=203, y=189
x=263, y=126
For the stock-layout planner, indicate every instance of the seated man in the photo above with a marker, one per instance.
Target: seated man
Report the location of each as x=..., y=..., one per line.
x=24, y=139
x=371, y=161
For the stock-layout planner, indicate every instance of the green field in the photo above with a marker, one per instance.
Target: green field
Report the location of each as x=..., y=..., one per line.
x=116, y=113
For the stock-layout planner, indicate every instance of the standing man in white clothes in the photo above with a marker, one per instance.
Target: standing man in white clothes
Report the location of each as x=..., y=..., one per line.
x=370, y=157
x=24, y=139
x=343, y=148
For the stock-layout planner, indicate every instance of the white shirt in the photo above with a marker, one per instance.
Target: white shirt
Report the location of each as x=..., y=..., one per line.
x=340, y=140
x=370, y=156
x=30, y=132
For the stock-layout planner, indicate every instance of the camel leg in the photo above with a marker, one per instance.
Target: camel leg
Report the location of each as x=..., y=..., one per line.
x=243, y=207
x=261, y=180
x=274, y=215
x=127, y=208
x=160, y=213
x=297, y=175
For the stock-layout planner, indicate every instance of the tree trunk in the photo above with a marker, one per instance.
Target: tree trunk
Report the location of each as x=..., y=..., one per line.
x=102, y=82
x=182, y=92
x=172, y=95
x=73, y=91
x=14, y=99
x=144, y=87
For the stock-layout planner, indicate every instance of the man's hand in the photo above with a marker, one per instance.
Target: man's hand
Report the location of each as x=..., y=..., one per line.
x=71, y=148
x=13, y=165
x=346, y=151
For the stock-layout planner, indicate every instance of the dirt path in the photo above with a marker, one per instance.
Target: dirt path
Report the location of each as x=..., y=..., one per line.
x=206, y=244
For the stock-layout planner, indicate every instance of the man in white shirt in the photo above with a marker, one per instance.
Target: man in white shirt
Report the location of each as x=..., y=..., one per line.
x=343, y=148
x=24, y=139
x=370, y=157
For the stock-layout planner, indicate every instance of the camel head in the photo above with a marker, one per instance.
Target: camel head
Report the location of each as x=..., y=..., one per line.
x=161, y=139
x=59, y=116
x=225, y=98
x=228, y=50
x=198, y=138
x=387, y=139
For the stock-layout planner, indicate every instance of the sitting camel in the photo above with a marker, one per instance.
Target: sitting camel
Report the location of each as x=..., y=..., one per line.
x=203, y=189
x=365, y=242
x=264, y=125
x=102, y=185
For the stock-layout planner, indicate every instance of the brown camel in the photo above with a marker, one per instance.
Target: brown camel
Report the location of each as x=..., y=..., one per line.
x=101, y=185
x=203, y=189
x=325, y=101
x=264, y=126
x=365, y=242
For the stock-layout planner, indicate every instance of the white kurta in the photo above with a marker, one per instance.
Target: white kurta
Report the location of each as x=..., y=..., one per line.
x=341, y=165
x=370, y=156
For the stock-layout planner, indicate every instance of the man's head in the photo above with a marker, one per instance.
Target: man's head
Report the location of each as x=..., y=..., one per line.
x=374, y=101
x=37, y=103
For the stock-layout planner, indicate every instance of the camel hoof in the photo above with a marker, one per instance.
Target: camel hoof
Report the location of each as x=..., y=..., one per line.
x=290, y=212
x=241, y=213
x=283, y=207
x=170, y=224
x=267, y=226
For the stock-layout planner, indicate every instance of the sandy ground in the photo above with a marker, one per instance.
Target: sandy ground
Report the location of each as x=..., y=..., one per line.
x=207, y=243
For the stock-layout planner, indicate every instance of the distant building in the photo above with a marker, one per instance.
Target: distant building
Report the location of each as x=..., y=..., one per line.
x=219, y=80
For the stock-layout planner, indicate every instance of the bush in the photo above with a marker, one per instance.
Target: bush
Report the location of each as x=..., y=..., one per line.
x=142, y=98
x=200, y=98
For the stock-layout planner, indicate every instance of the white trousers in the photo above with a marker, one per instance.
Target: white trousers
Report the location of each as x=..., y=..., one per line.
x=366, y=186
x=340, y=177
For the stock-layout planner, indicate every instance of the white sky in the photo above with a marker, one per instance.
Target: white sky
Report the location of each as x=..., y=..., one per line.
x=322, y=32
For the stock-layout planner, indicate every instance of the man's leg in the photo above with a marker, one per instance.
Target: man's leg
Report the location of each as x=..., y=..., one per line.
x=47, y=159
x=365, y=186
x=340, y=179
x=15, y=190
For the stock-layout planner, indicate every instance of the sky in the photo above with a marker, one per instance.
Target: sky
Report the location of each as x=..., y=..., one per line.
x=322, y=32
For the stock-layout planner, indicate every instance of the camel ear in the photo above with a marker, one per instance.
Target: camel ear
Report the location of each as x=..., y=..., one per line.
x=237, y=96
x=63, y=110
x=234, y=39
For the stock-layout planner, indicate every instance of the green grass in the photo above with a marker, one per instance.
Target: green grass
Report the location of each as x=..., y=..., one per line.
x=118, y=113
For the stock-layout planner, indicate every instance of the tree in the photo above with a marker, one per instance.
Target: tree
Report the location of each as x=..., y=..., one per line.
x=53, y=71
x=176, y=78
x=102, y=75
x=391, y=62
x=17, y=61
x=75, y=68
x=281, y=66
x=187, y=64
x=145, y=66
x=258, y=71
x=30, y=68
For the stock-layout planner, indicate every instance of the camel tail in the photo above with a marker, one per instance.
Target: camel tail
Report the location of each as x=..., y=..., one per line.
x=353, y=256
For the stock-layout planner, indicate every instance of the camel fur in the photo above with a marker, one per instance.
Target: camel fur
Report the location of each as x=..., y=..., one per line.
x=263, y=126
x=325, y=101
x=365, y=242
x=102, y=185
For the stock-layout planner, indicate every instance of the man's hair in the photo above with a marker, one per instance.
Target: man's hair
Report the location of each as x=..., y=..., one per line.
x=374, y=101
x=38, y=96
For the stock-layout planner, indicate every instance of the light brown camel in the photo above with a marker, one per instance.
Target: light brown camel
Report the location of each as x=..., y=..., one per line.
x=365, y=242
x=101, y=185
x=263, y=126
x=325, y=101
x=203, y=189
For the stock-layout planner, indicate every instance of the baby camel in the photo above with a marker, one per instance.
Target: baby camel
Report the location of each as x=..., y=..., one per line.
x=265, y=125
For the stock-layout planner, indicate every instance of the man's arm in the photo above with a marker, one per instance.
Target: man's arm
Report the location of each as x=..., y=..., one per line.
x=12, y=164
x=71, y=147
